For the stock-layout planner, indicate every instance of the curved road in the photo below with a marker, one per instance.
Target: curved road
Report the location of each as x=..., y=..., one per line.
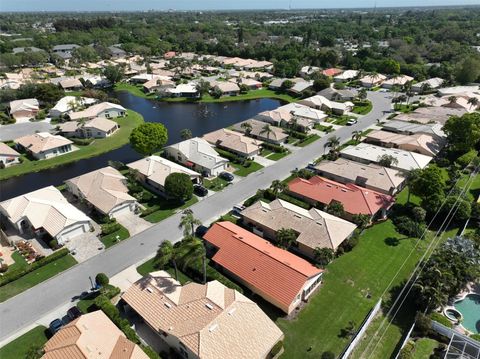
x=31, y=305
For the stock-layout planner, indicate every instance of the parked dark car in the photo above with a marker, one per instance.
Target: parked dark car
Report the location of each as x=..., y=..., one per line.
x=200, y=190
x=200, y=231
x=73, y=313
x=55, y=326
x=226, y=176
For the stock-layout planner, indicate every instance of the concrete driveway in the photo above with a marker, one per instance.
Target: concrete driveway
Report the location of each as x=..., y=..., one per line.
x=16, y=130
x=133, y=223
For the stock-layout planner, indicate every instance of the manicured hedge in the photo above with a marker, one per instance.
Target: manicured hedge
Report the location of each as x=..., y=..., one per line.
x=274, y=147
x=441, y=319
x=14, y=275
x=109, y=228
x=297, y=134
x=293, y=200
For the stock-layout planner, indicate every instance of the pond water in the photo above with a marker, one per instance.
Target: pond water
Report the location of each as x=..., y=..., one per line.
x=200, y=118
x=470, y=309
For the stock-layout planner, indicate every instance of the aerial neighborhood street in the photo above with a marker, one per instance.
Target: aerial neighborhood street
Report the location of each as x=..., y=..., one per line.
x=239, y=184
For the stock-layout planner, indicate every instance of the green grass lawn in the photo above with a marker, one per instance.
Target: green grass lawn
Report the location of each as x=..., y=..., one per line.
x=245, y=171
x=362, y=108
x=18, y=348
x=266, y=152
x=341, y=120
x=37, y=276
x=278, y=155
x=167, y=209
x=424, y=347
x=404, y=108
x=149, y=266
x=86, y=303
x=136, y=90
x=322, y=128
x=216, y=184
x=20, y=262
x=111, y=239
x=367, y=269
x=308, y=140
x=97, y=147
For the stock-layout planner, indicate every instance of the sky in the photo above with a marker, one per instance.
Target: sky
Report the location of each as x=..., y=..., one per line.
x=140, y=5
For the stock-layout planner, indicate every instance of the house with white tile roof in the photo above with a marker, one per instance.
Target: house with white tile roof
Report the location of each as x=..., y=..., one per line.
x=154, y=170
x=105, y=190
x=43, y=145
x=24, y=109
x=198, y=155
x=202, y=321
x=8, y=156
x=103, y=109
x=45, y=212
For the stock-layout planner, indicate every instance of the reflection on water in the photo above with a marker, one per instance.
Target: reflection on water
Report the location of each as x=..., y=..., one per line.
x=199, y=118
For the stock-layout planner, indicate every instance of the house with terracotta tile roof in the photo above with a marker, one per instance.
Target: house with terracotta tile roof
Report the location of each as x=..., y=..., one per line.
x=278, y=276
x=372, y=176
x=355, y=199
x=332, y=72
x=425, y=144
x=105, y=190
x=43, y=145
x=8, y=156
x=207, y=321
x=45, y=212
x=154, y=170
x=91, y=336
x=315, y=228
x=234, y=142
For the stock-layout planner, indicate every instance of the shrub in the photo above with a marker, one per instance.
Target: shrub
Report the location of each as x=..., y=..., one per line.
x=348, y=244
x=293, y=200
x=407, y=226
x=3, y=267
x=14, y=275
x=109, y=228
x=407, y=351
x=297, y=134
x=465, y=159
x=179, y=186
x=440, y=318
x=475, y=337
x=273, y=147
x=328, y=355
x=53, y=244
x=152, y=354
x=82, y=141
x=145, y=212
x=101, y=279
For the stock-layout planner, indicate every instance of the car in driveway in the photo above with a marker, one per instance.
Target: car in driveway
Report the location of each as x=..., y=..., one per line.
x=199, y=190
x=73, y=313
x=226, y=176
x=55, y=326
x=352, y=121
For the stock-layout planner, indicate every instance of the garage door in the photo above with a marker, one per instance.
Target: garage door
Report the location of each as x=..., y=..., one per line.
x=121, y=210
x=76, y=231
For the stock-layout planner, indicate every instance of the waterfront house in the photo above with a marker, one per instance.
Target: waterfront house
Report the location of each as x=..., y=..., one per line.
x=43, y=145
x=257, y=130
x=68, y=104
x=97, y=127
x=227, y=88
x=234, y=142
x=103, y=109
x=8, y=156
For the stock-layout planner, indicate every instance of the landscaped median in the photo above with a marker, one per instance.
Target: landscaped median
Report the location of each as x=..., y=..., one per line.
x=18, y=280
x=250, y=95
x=97, y=147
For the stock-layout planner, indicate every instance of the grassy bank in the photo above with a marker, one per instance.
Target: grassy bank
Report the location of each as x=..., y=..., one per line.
x=37, y=276
x=20, y=347
x=352, y=285
x=250, y=95
x=97, y=147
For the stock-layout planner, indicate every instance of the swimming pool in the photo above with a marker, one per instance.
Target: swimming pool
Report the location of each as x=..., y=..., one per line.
x=470, y=309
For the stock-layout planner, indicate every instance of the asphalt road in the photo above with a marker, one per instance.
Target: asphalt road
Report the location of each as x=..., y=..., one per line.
x=16, y=130
x=31, y=305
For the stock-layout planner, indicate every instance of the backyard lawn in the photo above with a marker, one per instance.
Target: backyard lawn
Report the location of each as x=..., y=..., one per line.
x=167, y=209
x=37, y=276
x=18, y=348
x=424, y=347
x=352, y=285
x=136, y=90
x=111, y=239
x=243, y=171
x=97, y=147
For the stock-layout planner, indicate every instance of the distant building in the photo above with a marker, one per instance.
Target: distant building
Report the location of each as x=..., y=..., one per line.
x=64, y=51
x=24, y=109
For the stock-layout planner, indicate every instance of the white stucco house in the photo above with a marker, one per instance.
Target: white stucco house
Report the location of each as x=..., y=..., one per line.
x=44, y=145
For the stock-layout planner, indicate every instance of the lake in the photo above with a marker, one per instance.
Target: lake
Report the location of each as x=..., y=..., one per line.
x=200, y=118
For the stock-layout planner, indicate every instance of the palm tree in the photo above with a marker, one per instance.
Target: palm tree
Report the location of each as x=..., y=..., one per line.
x=452, y=99
x=266, y=129
x=247, y=127
x=294, y=123
x=186, y=134
x=473, y=102
x=188, y=223
x=166, y=253
x=190, y=250
x=357, y=136
x=286, y=237
x=278, y=186
x=425, y=88
x=333, y=142
x=410, y=178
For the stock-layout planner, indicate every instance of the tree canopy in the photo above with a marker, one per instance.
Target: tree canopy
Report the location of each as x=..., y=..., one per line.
x=179, y=186
x=148, y=138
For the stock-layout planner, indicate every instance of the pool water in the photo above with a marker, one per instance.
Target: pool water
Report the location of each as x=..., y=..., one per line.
x=470, y=309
